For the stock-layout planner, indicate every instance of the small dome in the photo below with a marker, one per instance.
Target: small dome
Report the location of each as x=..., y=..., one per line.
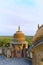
x=38, y=35
x=19, y=35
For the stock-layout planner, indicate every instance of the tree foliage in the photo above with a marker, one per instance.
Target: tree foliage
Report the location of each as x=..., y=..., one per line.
x=5, y=40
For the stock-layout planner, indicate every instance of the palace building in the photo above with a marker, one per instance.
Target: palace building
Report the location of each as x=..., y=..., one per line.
x=19, y=44
x=37, y=47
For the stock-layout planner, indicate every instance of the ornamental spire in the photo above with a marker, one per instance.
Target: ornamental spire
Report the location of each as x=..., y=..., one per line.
x=19, y=28
x=38, y=26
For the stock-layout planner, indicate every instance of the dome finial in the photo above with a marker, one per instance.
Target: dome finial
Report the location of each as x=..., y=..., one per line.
x=38, y=26
x=19, y=28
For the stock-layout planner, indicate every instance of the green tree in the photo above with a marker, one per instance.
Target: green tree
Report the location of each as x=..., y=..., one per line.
x=1, y=43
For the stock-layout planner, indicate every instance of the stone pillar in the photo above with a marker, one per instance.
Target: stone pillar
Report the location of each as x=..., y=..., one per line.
x=0, y=50
x=12, y=53
x=26, y=45
x=24, y=52
x=30, y=54
x=8, y=53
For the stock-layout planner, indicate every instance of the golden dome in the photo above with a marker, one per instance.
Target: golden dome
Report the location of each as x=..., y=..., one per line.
x=38, y=35
x=19, y=35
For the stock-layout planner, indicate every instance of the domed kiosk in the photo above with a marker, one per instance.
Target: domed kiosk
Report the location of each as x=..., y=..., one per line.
x=19, y=35
x=18, y=44
x=37, y=47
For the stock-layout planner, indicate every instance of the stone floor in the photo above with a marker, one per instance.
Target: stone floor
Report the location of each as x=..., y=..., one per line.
x=14, y=61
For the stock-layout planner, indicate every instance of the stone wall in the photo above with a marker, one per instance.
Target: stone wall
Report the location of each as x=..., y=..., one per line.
x=37, y=55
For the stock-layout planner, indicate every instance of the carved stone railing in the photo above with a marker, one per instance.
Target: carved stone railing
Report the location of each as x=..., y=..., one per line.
x=36, y=44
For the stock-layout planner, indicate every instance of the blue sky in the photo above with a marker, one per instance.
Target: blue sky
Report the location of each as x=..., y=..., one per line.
x=26, y=13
